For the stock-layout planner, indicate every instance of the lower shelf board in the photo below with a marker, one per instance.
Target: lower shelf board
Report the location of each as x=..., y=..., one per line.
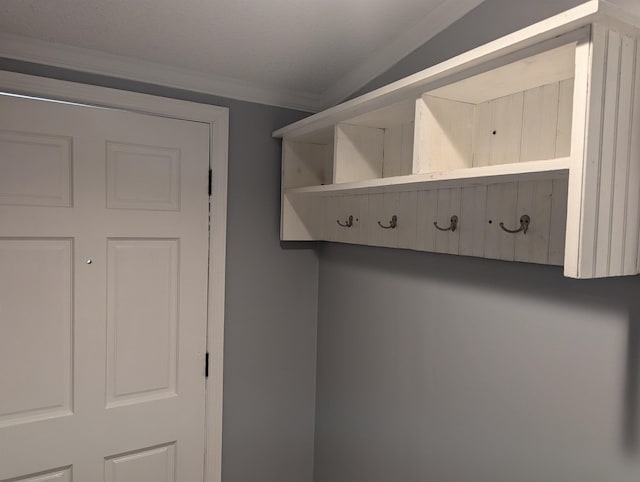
x=522, y=171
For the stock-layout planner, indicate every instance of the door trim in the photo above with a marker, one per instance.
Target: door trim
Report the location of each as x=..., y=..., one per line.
x=218, y=120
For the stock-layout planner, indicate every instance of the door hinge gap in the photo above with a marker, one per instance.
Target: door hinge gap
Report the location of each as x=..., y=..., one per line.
x=210, y=180
x=206, y=365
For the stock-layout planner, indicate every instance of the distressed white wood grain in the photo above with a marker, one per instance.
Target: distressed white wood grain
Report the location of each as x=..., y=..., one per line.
x=472, y=223
x=408, y=212
x=446, y=135
x=359, y=153
x=398, y=150
x=565, y=113
x=620, y=185
x=558, y=222
x=506, y=122
x=585, y=149
x=482, y=133
x=426, y=215
x=448, y=205
x=604, y=193
x=539, y=123
x=632, y=235
x=501, y=207
x=534, y=200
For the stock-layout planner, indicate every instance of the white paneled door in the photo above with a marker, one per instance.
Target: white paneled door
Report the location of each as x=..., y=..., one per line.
x=103, y=294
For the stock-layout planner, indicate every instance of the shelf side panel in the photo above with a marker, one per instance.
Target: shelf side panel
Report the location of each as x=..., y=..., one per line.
x=609, y=193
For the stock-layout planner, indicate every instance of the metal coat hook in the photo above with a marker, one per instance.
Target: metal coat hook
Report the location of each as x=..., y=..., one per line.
x=347, y=224
x=525, y=220
x=453, y=224
x=392, y=224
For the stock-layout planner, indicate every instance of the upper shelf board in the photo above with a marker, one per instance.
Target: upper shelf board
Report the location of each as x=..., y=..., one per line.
x=562, y=29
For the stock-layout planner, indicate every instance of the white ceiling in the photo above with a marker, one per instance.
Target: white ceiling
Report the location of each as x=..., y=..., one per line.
x=296, y=53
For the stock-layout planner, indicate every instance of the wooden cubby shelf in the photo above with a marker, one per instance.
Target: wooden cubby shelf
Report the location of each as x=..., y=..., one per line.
x=524, y=149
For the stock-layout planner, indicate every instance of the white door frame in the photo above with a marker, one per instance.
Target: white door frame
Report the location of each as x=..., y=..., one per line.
x=218, y=120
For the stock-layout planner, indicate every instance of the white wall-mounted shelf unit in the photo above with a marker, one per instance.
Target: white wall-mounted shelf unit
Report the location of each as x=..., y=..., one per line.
x=542, y=126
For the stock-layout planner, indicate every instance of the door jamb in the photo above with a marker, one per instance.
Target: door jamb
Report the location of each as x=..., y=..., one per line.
x=218, y=120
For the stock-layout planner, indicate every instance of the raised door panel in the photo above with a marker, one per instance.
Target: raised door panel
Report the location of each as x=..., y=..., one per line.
x=36, y=357
x=142, y=177
x=142, y=319
x=55, y=475
x=35, y=169
x=155, y=464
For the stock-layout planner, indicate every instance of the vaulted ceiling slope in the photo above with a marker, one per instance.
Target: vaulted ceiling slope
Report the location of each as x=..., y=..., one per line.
x=302, y=54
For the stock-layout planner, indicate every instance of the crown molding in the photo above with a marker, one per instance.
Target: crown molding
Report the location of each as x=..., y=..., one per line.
x=441, y=17
x=102, y=63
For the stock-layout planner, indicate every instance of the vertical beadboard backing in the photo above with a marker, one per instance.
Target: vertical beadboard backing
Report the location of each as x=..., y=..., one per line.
x=480, y=210
x=607, y=187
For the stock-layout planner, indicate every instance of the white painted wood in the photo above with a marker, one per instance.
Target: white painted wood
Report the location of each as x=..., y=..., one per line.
x=36, y=346
x=585, y=152
x=302, y=218
x=56, y=475
x=332, y=212
x=473, y=222
x=217, y=118
x=147, y=419
x=382, y=207
x=359, y=153
x=30, y=162
x=449, y=202
x=586, y=86
x=501, y=207
x=375, y=235
x=547, y=67
x=346, y=207
x=506, y=122
x=540, y=122
x=445, y=135
x=620, y=207
x=306, y=164
x=427, y=213
x=398, y=150
x=604, y=182
x=534, y=200
x=606, y=211
x=558, y=222
x=408, y=212
x=565, y=113
x=556, y=168
x=156, y=463
x=482, y=134
x=632, y=234
x=559, y=144
x=551, y=33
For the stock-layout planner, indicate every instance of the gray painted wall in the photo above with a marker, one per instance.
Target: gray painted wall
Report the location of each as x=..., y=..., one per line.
x=452, y=369
x=271, y=299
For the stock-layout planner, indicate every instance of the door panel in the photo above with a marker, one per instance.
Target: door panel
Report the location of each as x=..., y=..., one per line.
x=103, y=294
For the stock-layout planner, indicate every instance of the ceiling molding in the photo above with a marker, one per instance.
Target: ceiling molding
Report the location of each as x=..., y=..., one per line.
x=97, y=62
x=103, y=63
x=383, y=59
